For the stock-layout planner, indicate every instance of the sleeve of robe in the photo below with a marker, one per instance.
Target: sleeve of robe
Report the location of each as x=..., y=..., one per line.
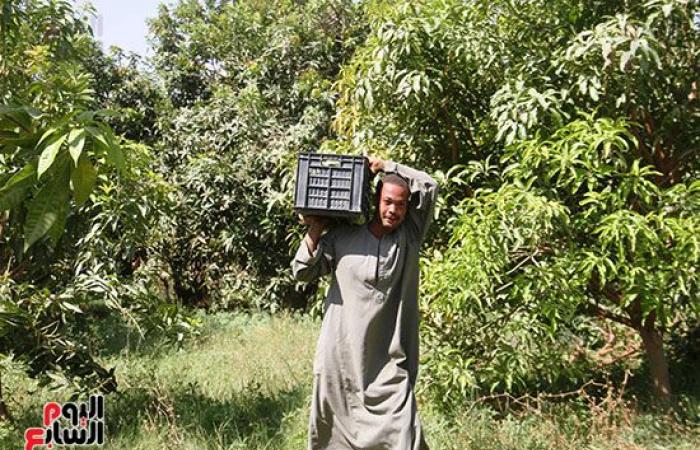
x=307, y=266
x=424, y=192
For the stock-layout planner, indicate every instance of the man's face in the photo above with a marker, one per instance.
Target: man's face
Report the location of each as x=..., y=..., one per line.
x=393, y=204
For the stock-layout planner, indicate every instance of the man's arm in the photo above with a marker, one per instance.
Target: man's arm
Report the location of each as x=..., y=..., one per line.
x=313, y=234
x=315, y=255
x=424, y=191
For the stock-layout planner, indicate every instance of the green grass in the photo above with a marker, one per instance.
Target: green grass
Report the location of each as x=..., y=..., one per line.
x=245, y=383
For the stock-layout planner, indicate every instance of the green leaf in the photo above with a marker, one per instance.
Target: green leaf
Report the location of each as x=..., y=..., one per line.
x=83, y=180
x=59, y=226
x=113, y=152
x=13, y=192
x=46, y=134
x=6, y=134
x=11, y=140
x=47, y=207
x=115, y=156
x=108, y=113
x=667, y=8
x=76, y=142
x=96, y=133
x=72, y=307
x=85, y=116
x=17, y=115
x=49, y=154
x=593, y=92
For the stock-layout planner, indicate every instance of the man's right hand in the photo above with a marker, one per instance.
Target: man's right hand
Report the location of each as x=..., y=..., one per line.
x=316, y=226
x=314, y=222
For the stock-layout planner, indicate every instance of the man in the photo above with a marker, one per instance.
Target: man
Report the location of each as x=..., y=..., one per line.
x=366, y=360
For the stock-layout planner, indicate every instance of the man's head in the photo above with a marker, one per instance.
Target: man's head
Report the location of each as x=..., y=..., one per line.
x=392, y=201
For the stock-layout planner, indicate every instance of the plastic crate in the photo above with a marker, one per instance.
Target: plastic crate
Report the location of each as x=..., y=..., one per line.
x=332, y=185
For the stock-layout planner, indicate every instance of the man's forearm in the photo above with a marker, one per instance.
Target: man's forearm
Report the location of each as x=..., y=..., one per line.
x=408, y=173
x=312, y=237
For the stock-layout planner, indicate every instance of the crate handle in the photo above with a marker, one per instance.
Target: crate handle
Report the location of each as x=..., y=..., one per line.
x=330, y=162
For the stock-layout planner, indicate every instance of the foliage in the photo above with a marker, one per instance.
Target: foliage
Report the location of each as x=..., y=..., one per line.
x=249, y=86
x=564, y=135
x=52, y=142
x=126, y=83
x=578, y=228
x=76, y=203
x=32, y=326
x=423, y=83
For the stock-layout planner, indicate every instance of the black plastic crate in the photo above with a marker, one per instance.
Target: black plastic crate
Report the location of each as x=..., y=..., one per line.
x=332, y=185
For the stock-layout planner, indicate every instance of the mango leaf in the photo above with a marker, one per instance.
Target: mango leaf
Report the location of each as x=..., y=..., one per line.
x=115, y=156
x=6, y=135
x=108, y=113
x=56, y=231
x=105, y=142
x=26, y=172
x=98, y=135
x=76, y=142
x=47, y=207
x=83, y=180
x=71, y=307
x=34, y=113
x=49, y=154
x=11, y=316
x=85, y=116
x=18, y=115
x=46, y=135
x=13, y=192
x=10, y=140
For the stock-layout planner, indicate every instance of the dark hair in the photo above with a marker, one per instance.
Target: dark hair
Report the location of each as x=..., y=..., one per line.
x=395, y=179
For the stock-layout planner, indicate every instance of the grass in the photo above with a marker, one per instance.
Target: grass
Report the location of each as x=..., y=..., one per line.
x=245, y=383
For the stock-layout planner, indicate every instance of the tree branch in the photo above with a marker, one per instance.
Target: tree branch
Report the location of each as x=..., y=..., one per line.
x=598, y=311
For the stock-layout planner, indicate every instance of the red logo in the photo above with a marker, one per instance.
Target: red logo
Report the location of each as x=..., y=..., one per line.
x=69, y=424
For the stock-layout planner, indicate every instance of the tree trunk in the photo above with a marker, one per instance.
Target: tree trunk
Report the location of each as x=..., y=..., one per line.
x=451, y=136
x=658, y=365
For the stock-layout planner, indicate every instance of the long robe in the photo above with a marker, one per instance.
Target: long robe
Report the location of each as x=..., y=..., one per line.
x=366, y=361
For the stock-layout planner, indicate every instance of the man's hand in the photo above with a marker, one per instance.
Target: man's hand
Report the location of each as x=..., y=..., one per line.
x=316, y=226
x=375, y=164
x=314, y=222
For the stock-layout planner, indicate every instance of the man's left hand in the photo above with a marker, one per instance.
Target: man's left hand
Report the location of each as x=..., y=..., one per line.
x=375, y=164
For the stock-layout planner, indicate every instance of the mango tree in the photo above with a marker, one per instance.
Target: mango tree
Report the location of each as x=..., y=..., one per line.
x=249, y=86
x=577, y=126
x=54, y=146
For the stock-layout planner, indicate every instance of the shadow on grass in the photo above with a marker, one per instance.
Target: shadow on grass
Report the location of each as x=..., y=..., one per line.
x=186, y=409
x=111, y=335
x=145, y=403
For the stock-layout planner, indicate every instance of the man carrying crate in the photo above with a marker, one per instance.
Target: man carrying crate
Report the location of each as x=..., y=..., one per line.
x=366, y=360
